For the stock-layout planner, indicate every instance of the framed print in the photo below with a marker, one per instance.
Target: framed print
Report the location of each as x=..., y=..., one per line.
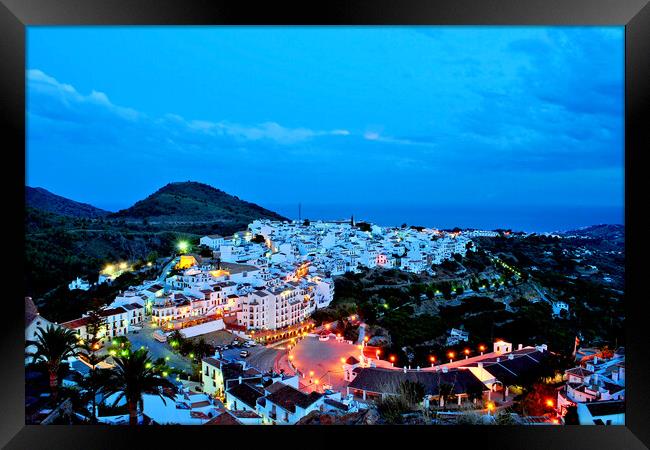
x=357, y=222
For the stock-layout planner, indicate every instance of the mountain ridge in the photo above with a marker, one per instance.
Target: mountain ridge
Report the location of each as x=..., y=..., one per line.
x=191, y=201
x=41, y=198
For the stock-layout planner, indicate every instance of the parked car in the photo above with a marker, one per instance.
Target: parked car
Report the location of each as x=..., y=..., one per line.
x=244, y=353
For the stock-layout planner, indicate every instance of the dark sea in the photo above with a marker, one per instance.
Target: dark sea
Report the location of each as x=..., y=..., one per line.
x=521, y=218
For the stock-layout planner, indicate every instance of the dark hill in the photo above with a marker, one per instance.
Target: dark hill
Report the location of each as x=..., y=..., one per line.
x=45, y=200
x=194, y=202
x=611, y=233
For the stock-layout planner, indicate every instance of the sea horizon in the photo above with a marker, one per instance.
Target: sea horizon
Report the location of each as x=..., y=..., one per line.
x=533, y=218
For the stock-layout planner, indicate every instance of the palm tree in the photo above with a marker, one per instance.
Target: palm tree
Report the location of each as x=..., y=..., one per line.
x=134, y=376
x=53, y=346
x=96, y=377
x=95, y=328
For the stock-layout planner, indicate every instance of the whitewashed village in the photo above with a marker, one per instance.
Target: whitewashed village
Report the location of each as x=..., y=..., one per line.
x=267, y=362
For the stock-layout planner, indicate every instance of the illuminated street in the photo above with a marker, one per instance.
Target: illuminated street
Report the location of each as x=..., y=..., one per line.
x=324, y=359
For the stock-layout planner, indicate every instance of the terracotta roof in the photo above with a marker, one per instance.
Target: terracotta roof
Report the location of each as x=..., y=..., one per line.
x=74, y=324
x=245, y=414
x=112, y=311
x=352, y=361
x=200, y=404
x=224, y=418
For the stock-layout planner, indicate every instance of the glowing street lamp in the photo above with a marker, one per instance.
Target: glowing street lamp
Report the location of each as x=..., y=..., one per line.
x=451, y=356
x=549, y=403
x=466, y=351
x=183, y=246
x=378, y=352
x=392, y=360
x=490, y=407
x=123, y=265
x=432, y=359
x=342, y=360
x=481, y=348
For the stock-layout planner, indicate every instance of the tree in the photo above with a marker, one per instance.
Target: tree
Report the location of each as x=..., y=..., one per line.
x=133, y=377
x=258, y=239
x=95, y=328
x=571, y=416
x=306, y=223
x=412, y=392
x=202, y=349
x=446, y=392
x=152, y=256
x=474, y=392
x=54, y=345
x=176, y=339
x=364, y=226
x=205, y=251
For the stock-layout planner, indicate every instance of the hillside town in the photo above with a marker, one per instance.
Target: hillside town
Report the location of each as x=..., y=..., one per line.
x=243, y=306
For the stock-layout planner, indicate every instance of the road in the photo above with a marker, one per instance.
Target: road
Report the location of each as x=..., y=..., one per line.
x=167, y=268
x=144, y=337
x=261, y=358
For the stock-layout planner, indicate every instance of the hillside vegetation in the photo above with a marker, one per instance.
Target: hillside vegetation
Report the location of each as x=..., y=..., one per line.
x=44, y=200
x=64, y=240
x=192, y=202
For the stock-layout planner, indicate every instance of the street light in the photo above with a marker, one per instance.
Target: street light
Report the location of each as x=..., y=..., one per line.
x=432, y=359
x=481, y=348
x=183, y=246
x=466, y=351
x=392, y=360
x=451, y=356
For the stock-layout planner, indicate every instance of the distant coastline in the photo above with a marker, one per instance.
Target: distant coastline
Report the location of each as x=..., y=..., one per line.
x=524, y=218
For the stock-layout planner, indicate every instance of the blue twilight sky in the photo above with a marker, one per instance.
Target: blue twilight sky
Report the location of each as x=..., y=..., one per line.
x=478, y=118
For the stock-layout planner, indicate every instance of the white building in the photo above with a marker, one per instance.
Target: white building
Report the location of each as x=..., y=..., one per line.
x=116, y=324
x=79, y=284
x=214, y=241
x=600, y=377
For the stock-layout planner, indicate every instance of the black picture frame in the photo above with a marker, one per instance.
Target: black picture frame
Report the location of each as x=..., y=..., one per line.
x=15, y=15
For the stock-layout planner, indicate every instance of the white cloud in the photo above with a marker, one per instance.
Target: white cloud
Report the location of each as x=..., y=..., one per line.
x=65, y=98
